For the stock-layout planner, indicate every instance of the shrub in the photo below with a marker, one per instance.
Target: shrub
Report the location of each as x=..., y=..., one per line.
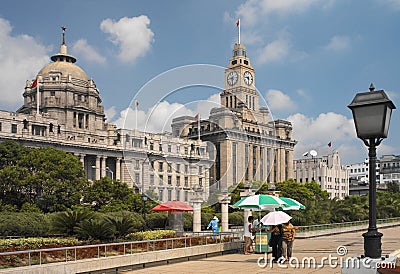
x=151, y=235
x=35, y=243
x=157, y=220
x=23, y=224
x=236, y=218
x=187, y=221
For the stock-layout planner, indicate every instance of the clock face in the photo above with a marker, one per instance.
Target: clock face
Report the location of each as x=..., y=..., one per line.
x=248, y=78
x=232, y=78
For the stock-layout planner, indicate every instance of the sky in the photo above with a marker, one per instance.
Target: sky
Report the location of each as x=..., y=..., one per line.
x=310, y=58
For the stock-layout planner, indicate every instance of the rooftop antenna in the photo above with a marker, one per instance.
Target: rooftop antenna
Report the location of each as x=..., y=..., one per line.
x=313, y=153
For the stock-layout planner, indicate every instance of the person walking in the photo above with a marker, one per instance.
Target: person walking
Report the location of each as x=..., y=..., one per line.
x=248, y=229
x=214, y=226
x=276, y=241
x=287, y=240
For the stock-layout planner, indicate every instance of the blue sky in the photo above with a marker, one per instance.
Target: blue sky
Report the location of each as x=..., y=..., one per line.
x=310, y=58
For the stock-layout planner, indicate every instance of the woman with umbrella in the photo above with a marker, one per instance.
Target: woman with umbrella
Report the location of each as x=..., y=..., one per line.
x=275, y=219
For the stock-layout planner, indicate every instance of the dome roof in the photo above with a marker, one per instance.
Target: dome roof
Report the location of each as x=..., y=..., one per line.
x=65, y=68
x=64, y=63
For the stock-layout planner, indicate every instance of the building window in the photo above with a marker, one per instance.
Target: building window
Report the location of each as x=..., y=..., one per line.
x=137, y=178
x=152, y=179
x=178, y=194
x=169, y=167
x=0, y=126
x=169, y=180
x=160, y=194
x=178, y=168
x=13, y=128
x=186, y=169
x=169, y=194
x=169, y=148
x=136, y=164
x=160, y=147
x=200, y=182
x=186, y=195
x=186, y=150
x=160, y=166
x=178, y=149
x=200, y=170
x=186, y=181
x=178, y=180
x=151, y=146
x=160, y=180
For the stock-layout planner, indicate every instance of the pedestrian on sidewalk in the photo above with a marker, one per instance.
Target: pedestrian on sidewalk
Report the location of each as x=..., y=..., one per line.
x=276, y=241
x=289, y=233
x=214, y=226
x=248, y=229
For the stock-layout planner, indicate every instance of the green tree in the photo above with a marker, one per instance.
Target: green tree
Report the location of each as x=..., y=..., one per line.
x=106, y=192
x=51, y=179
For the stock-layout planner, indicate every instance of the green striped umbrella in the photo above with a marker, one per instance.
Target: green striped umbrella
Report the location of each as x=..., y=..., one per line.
x=261, y=202
x=292, y=204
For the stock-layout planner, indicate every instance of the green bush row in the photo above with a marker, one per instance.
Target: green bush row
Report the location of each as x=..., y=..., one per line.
x=151, y=235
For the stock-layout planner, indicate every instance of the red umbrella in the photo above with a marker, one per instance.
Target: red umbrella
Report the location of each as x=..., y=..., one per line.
x=173, y=206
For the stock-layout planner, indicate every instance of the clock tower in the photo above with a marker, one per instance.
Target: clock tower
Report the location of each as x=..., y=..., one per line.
x=239, y=82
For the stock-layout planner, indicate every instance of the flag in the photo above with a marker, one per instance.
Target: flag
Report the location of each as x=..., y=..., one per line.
x=34, y=84
x=196, y=118
x=329, y=144
x=136, y=103
x=238, y=23
x=63, y=28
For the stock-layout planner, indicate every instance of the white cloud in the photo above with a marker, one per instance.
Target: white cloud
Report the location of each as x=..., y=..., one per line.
x=338, y=43
x=274, y=51
x=110, y=113
x=277, y=100
x=132, y=35
x=87, y=52
x=21, y=57
x=316, y=133
x=158, y=117
x=252, y=11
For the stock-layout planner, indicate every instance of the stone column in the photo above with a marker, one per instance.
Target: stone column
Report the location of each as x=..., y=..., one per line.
x=118, y=169
x=196, y=201
x=103, y=167
x=82, y=159
x=247, y=192
x=224, y=200
x=97, y=168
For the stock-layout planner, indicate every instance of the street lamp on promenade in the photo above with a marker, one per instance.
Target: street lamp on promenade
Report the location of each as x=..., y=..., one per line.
x=371, y=112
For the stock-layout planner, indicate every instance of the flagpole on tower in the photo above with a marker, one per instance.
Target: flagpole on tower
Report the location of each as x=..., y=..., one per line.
x=238, y=26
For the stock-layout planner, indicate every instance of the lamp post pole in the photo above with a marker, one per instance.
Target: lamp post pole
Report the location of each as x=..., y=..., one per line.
x=371, y=112
x=372, y=238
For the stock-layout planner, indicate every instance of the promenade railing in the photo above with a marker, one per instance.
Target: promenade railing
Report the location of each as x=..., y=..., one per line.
x=344, y=224
x=74, y=253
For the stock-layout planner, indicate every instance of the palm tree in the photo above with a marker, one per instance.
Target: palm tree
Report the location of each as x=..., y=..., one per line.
x=123, y=225
x=66, y=221
x=95, y=229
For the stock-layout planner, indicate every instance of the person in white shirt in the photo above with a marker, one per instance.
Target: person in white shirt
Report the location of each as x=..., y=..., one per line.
x=248, y=229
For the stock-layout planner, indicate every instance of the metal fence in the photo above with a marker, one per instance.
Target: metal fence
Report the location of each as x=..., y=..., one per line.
x=344, y=224
x=74, y=253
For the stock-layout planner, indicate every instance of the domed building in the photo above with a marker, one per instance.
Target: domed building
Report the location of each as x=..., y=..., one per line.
x=62, y=109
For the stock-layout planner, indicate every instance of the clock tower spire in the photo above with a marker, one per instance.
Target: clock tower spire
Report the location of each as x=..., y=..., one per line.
x=239, y=81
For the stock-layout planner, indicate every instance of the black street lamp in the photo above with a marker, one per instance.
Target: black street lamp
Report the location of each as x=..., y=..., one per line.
x=144, y=199
x=371, y=113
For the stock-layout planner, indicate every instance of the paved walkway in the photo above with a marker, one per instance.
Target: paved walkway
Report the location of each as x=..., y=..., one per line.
x=314, y=247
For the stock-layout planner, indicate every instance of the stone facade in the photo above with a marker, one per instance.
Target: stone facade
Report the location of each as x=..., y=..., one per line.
x=326, y=171
x=67, y=114
x=244, y=142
